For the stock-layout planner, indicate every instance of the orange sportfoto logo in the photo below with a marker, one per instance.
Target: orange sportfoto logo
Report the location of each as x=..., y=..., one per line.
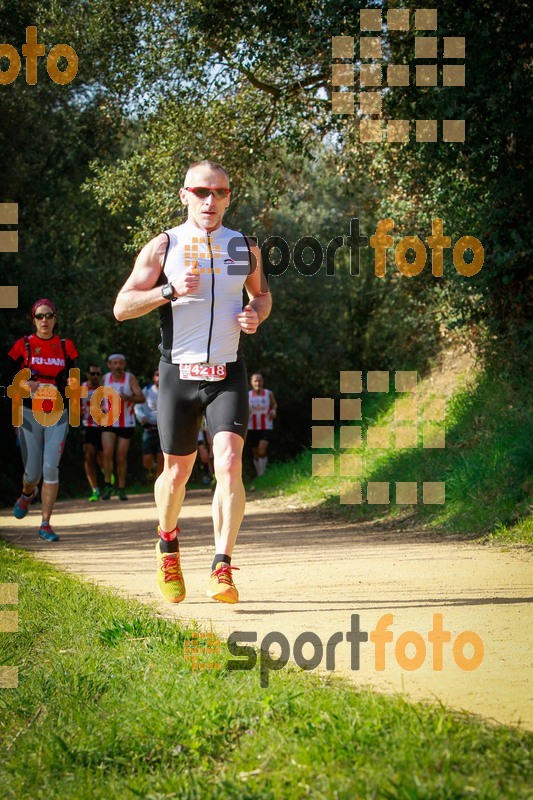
x=32, y=50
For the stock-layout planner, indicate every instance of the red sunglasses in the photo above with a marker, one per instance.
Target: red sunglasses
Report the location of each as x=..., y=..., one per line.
x=202, y=192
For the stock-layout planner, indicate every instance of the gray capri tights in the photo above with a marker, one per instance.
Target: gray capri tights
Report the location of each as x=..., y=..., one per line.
x=42, y=447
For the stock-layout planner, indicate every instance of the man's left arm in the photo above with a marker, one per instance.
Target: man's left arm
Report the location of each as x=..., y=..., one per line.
x=260, y=304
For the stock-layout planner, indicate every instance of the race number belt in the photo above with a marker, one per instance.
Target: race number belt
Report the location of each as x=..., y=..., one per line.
x=202, y=372
x=47, y=391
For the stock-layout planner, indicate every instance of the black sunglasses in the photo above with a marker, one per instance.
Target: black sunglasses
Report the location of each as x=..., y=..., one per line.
x=94, y=373
x=48, y=315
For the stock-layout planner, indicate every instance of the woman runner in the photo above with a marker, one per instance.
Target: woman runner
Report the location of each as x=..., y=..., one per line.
x=49, y=358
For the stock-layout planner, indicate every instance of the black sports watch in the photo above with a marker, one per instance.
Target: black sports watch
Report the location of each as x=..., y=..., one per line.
x=168, y=292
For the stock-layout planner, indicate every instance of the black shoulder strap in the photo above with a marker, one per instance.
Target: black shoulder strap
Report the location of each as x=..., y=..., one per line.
x=162, y=277
x=28, y=351
x=64, y=351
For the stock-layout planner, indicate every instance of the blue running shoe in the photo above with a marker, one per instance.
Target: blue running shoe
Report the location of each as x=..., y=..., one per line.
x=47, y=533
x=23, y=503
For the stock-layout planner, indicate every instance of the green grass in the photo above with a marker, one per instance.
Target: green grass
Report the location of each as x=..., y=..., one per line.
x=108, y=707
x=486, y=465
x=521, y=533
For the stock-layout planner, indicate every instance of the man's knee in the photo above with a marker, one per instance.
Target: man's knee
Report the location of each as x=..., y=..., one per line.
x=228, y=463
x=177, y=473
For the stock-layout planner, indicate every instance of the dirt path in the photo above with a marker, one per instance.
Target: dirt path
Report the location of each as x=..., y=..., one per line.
x=301, y=574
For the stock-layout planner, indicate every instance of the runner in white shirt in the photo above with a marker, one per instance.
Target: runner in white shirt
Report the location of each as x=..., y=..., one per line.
x=262, y=412
x=196, y=273
x=118, y=435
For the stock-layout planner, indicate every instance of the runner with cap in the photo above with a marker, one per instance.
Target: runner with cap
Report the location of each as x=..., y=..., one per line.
x=195, y=273
x=117, y=436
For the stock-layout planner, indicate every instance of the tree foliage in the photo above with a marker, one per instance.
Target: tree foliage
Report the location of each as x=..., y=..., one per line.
x=240, y=82
x=96, y=165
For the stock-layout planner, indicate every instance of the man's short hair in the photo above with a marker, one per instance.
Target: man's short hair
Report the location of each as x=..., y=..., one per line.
x=206, y=163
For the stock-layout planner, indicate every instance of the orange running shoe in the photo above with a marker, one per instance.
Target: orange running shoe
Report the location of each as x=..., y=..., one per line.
x=221, y=586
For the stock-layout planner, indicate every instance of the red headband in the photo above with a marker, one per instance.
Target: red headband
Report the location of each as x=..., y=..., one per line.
x=43, y=302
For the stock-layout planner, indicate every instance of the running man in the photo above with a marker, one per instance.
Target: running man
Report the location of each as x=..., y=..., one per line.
x=195, y=274
x=262, y=412
x=92, y=432
x=118, y=435
x=146, y=414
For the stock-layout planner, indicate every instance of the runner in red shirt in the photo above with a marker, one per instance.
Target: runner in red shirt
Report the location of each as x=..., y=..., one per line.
x=49, y=359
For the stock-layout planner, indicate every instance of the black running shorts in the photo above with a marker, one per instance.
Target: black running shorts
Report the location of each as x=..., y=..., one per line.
x=122, y=433
x=260, y=435
x=92, y=434
x=182, y=404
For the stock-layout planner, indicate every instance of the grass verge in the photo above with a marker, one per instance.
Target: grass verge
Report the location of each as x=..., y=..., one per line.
x=486, y=464
x=109, y=707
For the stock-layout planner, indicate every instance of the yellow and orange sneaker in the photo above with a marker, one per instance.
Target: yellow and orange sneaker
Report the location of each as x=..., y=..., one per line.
x=169, y=576
x=221, y=586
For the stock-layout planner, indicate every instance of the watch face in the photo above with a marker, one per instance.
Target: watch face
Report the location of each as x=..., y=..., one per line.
x=168, y=291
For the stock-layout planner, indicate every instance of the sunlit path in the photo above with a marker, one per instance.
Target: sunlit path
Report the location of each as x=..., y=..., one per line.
x=301, y=574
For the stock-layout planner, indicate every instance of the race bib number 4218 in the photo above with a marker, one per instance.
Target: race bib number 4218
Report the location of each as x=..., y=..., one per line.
x=202, y=372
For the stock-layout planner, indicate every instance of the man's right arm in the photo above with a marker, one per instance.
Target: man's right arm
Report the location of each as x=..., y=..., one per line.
x=141, y=294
